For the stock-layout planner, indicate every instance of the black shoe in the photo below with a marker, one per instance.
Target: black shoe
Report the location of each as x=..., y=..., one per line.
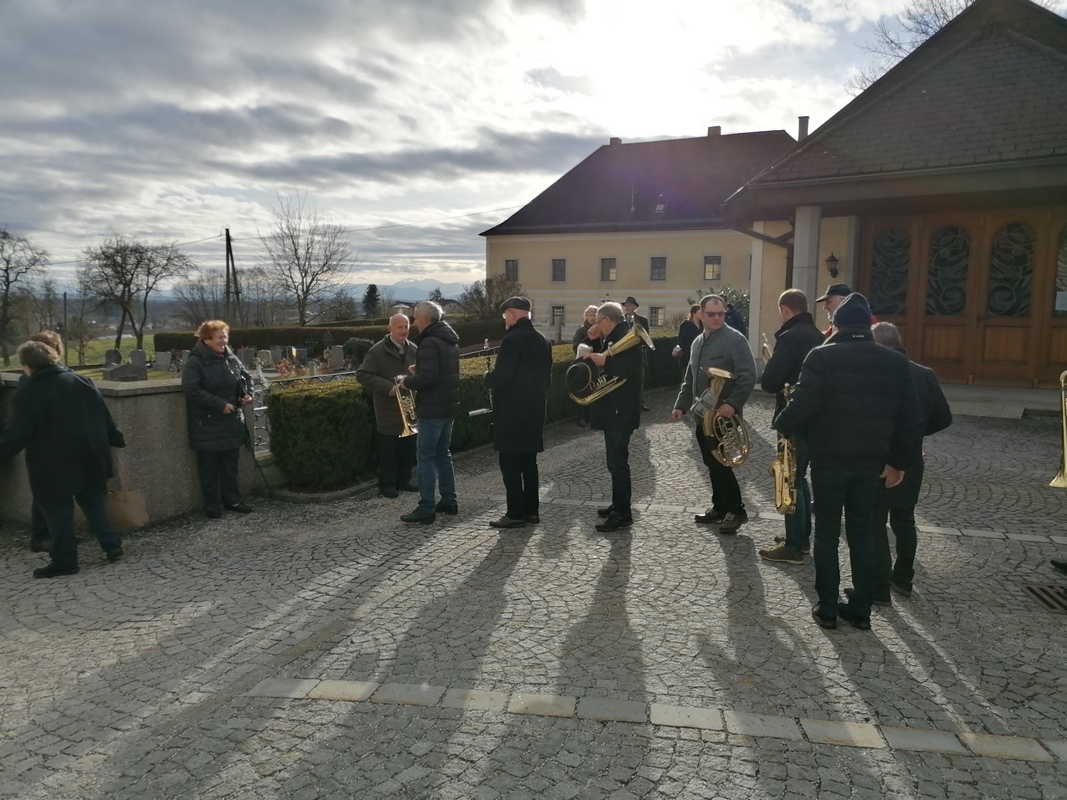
x=604, y=512
x=645, y=408
x=823, y=622
x=418, y=517
x=614, y=522
x=52, y=571
x=710, y=517
x=508, y=522
x=533, y=519
x=407, y=487
x=1058, y=563
x=40, y=546
x=447, y=508
x=240, y=508
x=391, y=493
x=114, y=555
x=213, y=513
x=900, y=588
x=852, y=619
x=582, y=423
x=888, y=601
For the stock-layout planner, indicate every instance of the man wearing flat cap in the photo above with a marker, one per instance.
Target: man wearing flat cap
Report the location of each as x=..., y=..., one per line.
x=834, y=296
x=856, y=404
x=630, y=315
x=519, y=383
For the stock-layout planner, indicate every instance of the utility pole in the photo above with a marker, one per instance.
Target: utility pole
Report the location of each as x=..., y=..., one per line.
x=233, y=289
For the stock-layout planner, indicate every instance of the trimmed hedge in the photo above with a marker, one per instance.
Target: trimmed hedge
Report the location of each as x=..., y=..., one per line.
x=323, y=434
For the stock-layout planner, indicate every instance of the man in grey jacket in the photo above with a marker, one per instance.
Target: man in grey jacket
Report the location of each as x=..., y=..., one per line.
x=384, y=362
x=722, y=347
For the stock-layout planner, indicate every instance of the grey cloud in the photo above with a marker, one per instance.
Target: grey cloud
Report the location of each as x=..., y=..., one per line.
x=550, y=78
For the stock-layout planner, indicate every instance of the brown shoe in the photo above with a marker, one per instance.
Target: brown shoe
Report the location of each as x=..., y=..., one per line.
x=507, y=522
x=732, y=521
x=710, y=517
x=781, y=540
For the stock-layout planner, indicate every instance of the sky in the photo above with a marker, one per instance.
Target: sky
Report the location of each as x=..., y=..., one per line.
x=414, y=124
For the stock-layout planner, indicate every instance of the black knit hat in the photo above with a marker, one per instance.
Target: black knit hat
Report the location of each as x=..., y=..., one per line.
x=854, y=312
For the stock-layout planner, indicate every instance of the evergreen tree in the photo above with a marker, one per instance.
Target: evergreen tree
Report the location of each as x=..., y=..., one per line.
x=372, y=302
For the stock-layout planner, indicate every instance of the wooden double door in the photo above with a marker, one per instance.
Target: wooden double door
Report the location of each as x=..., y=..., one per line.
x=979, y=297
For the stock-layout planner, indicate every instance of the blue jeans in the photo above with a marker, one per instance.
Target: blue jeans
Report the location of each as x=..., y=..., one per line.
x=853, y=491
x=435, y=463
x=617, y=447
x=59, y=516
x=798, y=524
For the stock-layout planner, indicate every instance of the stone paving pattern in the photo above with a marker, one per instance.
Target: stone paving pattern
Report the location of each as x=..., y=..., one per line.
x=331, y=651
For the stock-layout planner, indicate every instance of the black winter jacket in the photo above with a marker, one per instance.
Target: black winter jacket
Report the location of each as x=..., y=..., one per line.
x=793, y=341
x=65, y=427
x=621, y=408
x=519, y=382
x=436, y=377
x=856, y=403
x=210, y=382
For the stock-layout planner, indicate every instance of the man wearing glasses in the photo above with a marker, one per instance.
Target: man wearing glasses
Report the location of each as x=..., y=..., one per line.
x=722, y=347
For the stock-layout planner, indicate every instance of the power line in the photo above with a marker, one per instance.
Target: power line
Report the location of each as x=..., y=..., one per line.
x=159, y=247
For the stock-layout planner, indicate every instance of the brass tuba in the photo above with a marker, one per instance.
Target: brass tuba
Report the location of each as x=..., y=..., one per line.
x=1060, y=481
x=405, y=400
x=784, y=469
x=584, y=379
x=730, y=432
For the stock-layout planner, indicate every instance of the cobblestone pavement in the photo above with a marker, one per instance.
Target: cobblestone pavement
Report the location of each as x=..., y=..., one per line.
x=331, y=651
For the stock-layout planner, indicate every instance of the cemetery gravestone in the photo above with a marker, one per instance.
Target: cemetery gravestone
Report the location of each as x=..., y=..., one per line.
x=112, y=356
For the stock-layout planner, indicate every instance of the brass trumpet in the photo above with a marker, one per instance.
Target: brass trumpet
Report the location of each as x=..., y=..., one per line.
x=1060, y=481
x=405, y=400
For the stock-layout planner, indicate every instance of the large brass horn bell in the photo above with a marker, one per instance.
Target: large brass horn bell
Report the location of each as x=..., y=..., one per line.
x=585, y=382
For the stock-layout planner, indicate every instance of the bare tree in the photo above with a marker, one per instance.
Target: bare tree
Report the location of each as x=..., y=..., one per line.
x=482, y=299
x=339, y=304
x=898, y=35
x=263, y=301
x=200, y=297
x=81, y=328
x=125, y=273
x=306, y=253
x=386, y=300
x=19, y=262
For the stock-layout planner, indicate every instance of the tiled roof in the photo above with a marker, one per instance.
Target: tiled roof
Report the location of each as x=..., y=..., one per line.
x=664, y=185
x=993, y=91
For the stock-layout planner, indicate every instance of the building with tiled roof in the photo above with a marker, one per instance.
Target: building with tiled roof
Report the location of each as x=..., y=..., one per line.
x=942, y=192
x=641, y=219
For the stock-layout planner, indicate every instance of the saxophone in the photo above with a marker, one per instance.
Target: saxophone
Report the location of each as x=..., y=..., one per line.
x=784, y=469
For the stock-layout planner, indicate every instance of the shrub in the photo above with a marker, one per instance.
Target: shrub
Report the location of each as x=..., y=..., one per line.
x=322, y=434
x=356, y=350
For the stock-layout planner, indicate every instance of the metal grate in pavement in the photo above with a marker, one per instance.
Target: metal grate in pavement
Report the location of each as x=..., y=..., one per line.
x=1053, y=598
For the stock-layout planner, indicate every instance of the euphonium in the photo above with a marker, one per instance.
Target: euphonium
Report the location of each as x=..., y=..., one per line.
x=784, y=470
x=730, y=432
x=1060, y=481
x=584, y=379
x=405, y=400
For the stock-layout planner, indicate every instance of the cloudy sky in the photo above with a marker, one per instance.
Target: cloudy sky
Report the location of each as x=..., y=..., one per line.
x=414, y=123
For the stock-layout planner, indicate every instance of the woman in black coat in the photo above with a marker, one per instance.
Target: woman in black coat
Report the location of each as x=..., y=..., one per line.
x=62, y=422
x=216, y=385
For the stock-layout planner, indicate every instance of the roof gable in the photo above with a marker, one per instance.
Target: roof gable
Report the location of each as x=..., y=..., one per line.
x=670, y=184
x=989, y=89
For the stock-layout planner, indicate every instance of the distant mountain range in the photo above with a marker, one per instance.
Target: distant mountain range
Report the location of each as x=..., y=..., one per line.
x=411, y=289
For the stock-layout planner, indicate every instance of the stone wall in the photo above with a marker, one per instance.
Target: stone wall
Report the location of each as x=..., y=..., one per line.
x=151, y=415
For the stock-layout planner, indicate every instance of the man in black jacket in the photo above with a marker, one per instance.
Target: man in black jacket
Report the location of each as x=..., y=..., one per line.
x=630, y=316
x=436, y=379
x=519, y=383
x=62, y=422
x=793, y=341
x=897, y=505
x=856, y=403
x=384, y=362
x=617, y=413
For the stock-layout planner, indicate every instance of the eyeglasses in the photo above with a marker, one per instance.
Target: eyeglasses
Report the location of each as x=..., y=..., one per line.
x=714, y=314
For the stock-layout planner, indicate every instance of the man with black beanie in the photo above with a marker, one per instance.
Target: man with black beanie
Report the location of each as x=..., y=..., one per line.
x=856, y=403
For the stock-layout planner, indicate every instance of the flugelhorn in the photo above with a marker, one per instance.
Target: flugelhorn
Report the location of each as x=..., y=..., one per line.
x=405, y=400
x=1060, y=481
x=584, y=379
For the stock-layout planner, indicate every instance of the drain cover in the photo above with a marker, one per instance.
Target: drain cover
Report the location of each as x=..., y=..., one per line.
x=1053, y=598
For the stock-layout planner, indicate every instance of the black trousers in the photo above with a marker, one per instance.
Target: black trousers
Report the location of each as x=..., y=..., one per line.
x=396, y=460
x=217, y=470
x=725, y=493
x=519, y=471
